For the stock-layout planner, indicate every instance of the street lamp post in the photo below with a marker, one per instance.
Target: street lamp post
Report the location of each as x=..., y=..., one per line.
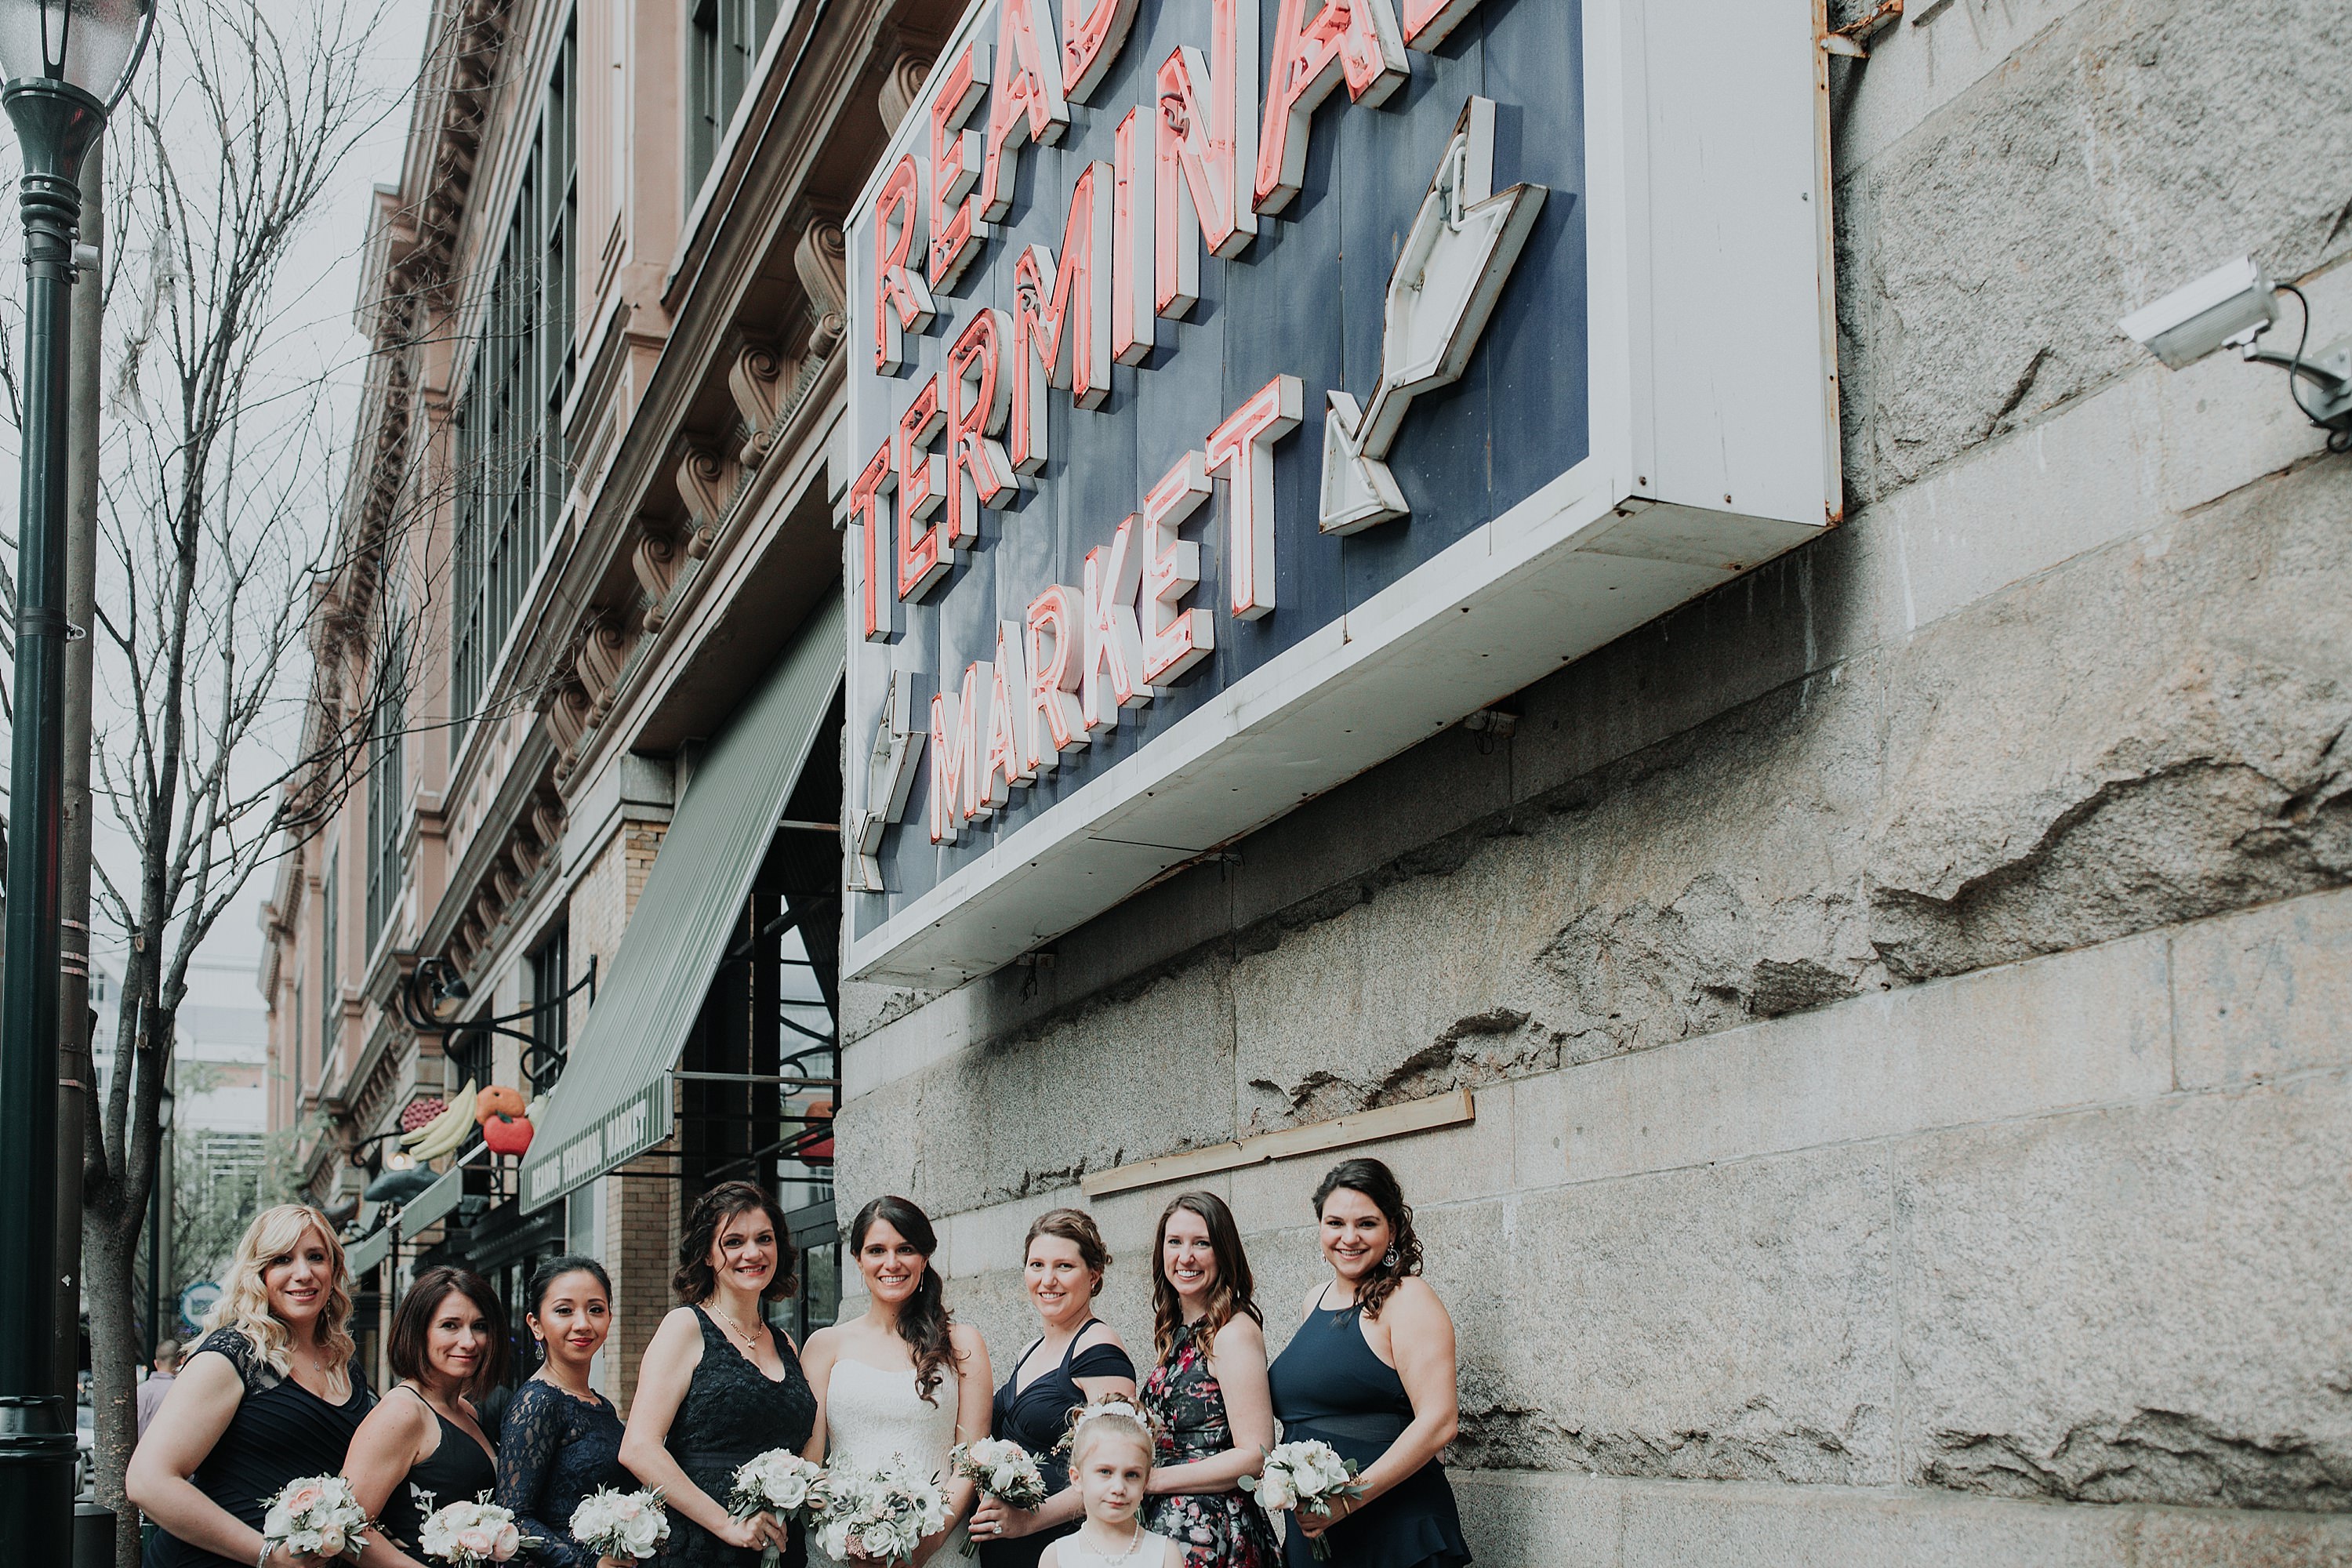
x=66, y=62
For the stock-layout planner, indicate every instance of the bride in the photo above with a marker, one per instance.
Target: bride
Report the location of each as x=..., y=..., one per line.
x=902, y=1380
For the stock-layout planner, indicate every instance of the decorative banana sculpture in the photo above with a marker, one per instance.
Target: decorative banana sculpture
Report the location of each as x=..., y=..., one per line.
x=446, y=1132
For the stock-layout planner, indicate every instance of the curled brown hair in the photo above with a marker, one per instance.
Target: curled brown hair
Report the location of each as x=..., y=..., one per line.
x=696, y=1279
x=1233, y=1294
x=1077, y=1227
x=923, y=1319
x=412, y=1327
x=1376, y=1182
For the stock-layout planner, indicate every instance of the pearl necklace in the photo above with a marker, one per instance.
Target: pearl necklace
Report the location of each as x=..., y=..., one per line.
x=1134, y=1545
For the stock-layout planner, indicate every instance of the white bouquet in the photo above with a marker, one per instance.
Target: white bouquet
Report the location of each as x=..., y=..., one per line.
x=470, y=1534
x=621, y=1524
x=1002, y=1468
x=1305, y=1476
x=783, y=1483
x=883, y=1514
x=316, y=1516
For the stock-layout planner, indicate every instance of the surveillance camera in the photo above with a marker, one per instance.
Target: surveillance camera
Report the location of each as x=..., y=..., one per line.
x=2229, y=304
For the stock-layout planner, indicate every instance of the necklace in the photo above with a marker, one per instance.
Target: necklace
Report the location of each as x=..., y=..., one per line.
x=749, y=1339
x=1134, y=1545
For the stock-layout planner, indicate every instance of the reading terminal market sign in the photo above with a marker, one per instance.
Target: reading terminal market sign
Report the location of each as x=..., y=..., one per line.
x=1242, y=391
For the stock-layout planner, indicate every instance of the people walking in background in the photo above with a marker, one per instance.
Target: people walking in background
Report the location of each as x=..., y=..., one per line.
x=1110, y=1460
x=1208, y=1391
x=1075, y=1358
x=561, y=1439
x=719, y=1384
x=265, y=1397
x=423, y=1446
x=158, y=1383
x=903, y=1379
x=1371, y=1371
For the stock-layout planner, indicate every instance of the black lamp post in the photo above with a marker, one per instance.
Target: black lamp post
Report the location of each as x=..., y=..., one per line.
x=67, y=63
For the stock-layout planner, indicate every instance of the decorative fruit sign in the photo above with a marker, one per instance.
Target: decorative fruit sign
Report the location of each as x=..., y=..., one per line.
x=1242, y=391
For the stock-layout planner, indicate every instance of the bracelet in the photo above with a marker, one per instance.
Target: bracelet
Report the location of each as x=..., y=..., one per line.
x=263, y=1561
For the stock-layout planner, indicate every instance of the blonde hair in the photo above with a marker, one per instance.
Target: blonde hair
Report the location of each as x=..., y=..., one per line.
x=244, y=1305
x=1112, y=1415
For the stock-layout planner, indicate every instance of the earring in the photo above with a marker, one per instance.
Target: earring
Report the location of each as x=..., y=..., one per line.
x=1390, y=1260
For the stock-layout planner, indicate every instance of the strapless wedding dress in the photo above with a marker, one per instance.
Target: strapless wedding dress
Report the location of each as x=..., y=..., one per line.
x=871, y=1414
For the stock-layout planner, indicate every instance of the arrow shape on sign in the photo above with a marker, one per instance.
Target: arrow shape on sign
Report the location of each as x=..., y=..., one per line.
x=1465, y=241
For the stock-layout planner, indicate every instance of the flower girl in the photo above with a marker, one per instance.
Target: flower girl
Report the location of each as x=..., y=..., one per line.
x=1111, y=1459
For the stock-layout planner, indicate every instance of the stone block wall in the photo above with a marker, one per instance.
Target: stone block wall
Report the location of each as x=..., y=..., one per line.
x=1904, y=991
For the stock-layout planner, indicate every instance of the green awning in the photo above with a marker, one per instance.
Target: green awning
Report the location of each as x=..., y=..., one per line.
x=613, y=1100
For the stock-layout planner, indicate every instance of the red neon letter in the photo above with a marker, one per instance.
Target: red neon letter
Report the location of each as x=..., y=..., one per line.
x=870, y=514
x=1173, y=641
x=955, y=754
x=1061, y=323
x=1207, y=148
x=1426, y=21
x=956, y=231
x=1242, y=449
x=1113, y=676
x=1052, y=718
x=1134, y=307
x=921, y=487
x=1090, y=43
x=975, y=406
x=1028, y=105
x=1357, y=39
x=902, y=301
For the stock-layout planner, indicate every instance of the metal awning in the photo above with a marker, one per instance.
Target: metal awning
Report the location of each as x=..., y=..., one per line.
x=614, y=1101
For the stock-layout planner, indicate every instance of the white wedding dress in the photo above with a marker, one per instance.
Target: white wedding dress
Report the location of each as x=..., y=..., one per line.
x=870, y=1416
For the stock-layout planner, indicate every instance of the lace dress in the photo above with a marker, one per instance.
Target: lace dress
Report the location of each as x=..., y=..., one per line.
x=554, y=1450
x=280, y=1430
x=873, y=1416
x=1215, y=1529
x=732, y=1412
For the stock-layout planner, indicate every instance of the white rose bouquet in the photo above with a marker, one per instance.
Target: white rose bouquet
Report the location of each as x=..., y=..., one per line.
x=884, y=1513
x=1002, y=1468
x=470, y=1534
x=1305, y=1476
x=783, y=1483
x=621, y=1524
x=316, y=1516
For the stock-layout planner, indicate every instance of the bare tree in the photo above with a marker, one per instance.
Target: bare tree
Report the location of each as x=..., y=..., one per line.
x=217, y=533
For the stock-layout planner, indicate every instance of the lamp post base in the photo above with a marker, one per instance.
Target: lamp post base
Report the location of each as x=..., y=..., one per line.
x=36, y=1477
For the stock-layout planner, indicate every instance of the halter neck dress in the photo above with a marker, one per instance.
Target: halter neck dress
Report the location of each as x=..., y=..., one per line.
x=1037, y=1417
x=280, y=1430
x=733, y=1412
x=458, y=1469
x=1326, y=1383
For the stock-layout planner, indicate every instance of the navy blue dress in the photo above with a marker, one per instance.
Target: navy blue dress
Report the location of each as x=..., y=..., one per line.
x=458, y=1469
x=554, y=1450
x=1037, y=1417
x=1328, y=1383
x=281, y=1431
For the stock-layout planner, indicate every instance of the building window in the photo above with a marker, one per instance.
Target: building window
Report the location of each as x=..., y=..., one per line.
x=329, y=987
x=728, y=37
x=295, y=1030
x=551, y=1026
x=385, y=797
x=510, y=473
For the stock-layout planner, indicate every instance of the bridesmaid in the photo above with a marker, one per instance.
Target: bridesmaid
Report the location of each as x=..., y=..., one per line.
x=719, y=1384
x=561, y=1439
x=1208, y=1390
x=265, y=1397
x=1076, y=1361
x=422, y=1448
x=1371, y=1371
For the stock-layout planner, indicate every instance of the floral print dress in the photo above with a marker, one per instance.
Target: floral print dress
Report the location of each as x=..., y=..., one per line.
x=1214, y=1530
